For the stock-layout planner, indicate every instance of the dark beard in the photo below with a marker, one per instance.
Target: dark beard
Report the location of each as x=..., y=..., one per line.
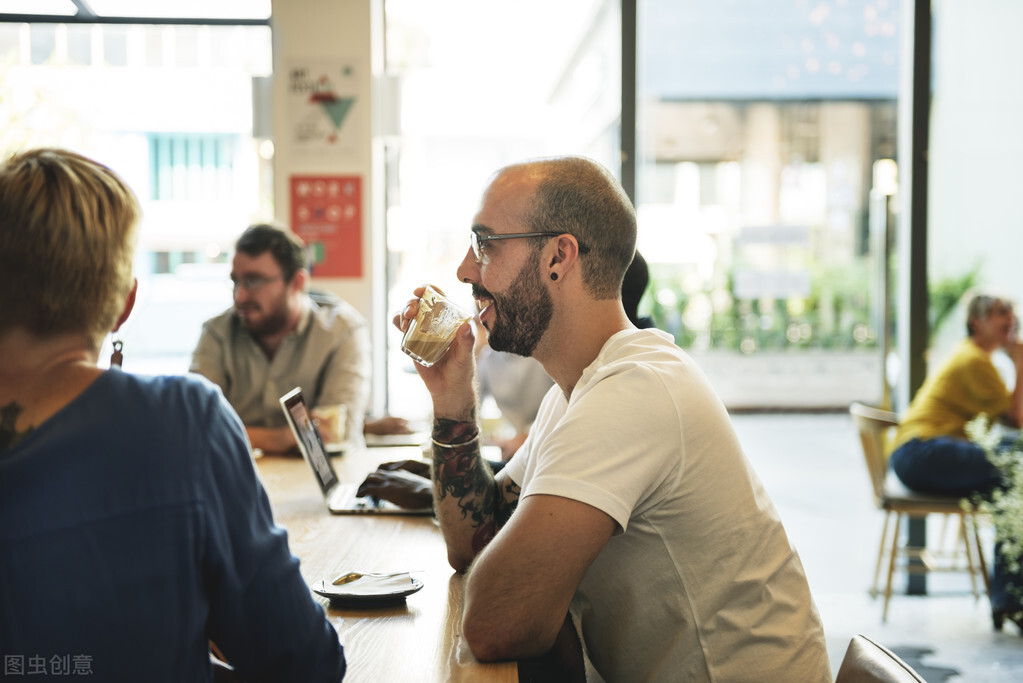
x=523, y=313
x=271, y=324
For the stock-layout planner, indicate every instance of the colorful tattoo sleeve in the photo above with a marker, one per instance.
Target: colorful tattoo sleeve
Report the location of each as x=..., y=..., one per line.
x=461, y=473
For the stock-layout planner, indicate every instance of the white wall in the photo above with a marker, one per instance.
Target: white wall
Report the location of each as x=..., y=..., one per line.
x=975, y=210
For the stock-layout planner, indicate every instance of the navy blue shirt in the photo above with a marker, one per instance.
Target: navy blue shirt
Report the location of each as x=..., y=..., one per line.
x=134, y=529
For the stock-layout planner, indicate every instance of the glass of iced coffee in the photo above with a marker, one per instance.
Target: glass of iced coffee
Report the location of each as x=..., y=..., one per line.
x=433, y=329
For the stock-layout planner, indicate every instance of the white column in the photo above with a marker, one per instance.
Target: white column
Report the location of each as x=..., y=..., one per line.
x=334, y=32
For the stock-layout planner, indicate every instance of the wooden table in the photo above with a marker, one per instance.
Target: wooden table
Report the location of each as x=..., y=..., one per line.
x=419, y=640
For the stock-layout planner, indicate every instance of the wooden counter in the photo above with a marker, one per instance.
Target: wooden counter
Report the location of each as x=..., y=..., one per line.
x=418, y=640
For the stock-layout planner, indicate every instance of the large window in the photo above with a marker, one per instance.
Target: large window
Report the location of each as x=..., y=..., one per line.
x=171, y=109
x=481, y=85
x=765, y=134
x=196, y=166
x=761, y=128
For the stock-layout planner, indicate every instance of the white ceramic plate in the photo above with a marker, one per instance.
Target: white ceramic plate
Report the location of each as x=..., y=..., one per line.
x=351, y=593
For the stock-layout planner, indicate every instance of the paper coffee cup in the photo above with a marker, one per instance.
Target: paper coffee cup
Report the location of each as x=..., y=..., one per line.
x=433, y=329
x=331, y=422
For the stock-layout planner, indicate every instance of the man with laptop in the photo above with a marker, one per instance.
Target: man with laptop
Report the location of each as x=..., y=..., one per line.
x=276, y=336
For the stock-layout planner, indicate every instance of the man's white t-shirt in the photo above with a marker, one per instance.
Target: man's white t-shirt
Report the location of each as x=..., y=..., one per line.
x=700, y=581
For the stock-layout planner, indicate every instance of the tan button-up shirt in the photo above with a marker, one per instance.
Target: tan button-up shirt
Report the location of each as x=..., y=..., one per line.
x=328, y=355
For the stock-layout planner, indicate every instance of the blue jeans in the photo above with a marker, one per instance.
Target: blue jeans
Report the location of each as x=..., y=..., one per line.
x=960, y=468
x=944, y=465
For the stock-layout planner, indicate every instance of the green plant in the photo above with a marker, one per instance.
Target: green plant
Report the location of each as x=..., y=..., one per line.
x=835, y=315
x=1004, y=506
x=945, y=294
x=838, y=313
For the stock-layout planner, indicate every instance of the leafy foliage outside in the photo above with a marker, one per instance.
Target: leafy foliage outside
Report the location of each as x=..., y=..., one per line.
x=944, y=295
x=839, y=312
x=836, y=314
x=1004, y=506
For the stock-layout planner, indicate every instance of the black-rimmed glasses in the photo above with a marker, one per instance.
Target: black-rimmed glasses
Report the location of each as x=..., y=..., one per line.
x=479, y=241
x=252, y=283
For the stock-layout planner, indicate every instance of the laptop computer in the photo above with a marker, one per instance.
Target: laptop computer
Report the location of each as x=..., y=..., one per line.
x=340, y=497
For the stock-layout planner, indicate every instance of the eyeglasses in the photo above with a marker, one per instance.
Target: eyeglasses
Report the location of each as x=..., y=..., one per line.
x=253, y=283
x=479, y=242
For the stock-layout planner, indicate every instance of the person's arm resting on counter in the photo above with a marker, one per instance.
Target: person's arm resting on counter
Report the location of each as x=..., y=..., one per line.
x=521, y=580
x=272, y=439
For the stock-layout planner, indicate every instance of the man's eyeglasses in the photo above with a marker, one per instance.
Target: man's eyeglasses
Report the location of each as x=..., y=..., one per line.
x=253, y=283
x=479, y=242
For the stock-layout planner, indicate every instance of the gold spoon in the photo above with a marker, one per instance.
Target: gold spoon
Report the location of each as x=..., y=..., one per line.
x=353, y=576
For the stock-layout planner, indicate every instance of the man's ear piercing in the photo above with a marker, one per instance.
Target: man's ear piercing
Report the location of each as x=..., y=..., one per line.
x=554, y=276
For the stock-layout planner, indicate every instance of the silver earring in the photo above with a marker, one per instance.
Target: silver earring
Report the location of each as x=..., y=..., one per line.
x=116, y=357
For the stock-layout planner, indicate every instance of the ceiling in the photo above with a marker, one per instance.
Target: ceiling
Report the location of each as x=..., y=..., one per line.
x=245, y=12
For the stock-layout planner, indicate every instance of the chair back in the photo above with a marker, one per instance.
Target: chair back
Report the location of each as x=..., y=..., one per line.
x=873, y=424
x=867, y=662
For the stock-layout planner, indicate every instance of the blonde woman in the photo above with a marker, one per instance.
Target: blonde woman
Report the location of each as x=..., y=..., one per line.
x=133, y=527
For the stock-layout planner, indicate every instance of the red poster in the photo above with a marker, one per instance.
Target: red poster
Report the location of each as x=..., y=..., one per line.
x=326, y=212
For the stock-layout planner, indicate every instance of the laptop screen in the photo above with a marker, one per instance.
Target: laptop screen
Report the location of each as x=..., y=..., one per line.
x=308, y=438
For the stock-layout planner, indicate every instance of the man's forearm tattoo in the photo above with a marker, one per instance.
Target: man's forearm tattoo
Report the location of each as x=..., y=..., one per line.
x=461, y=472
x=502, y=514
x=9, y=435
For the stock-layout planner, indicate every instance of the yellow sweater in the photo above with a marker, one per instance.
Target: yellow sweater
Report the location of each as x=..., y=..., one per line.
x=966, y=386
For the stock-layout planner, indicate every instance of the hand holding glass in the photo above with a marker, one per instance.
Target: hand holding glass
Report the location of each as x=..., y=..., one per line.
x=431, y=332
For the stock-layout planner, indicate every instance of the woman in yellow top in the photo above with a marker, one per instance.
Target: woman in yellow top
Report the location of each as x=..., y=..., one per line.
x=933, y=454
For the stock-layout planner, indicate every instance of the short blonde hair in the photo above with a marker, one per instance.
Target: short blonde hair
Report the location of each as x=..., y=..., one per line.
x=68, y=227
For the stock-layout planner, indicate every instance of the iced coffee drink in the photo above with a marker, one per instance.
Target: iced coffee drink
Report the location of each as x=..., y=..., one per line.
x=433, y=329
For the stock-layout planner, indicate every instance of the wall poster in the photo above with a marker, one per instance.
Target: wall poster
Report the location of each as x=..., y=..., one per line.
x=326, y=212
x=321, y=98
